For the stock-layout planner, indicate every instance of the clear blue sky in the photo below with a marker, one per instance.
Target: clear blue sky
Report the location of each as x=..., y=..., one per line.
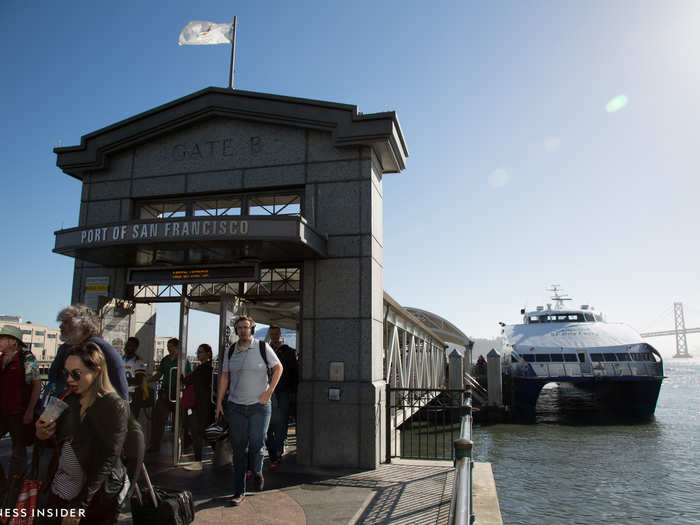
x=517, y=177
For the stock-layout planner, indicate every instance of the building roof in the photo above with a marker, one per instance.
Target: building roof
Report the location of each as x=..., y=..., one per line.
x=349, y=127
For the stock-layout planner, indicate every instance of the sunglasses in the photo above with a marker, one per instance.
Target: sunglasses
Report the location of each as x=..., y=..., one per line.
x=74, y=374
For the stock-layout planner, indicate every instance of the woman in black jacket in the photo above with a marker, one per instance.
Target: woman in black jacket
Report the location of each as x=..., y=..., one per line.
x=201, y=415
x=87, y=477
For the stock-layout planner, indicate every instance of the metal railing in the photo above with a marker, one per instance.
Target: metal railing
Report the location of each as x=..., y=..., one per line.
x=461, y=507
x=423, y=423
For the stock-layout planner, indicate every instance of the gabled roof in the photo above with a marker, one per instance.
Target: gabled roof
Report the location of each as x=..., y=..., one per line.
x=381, y=131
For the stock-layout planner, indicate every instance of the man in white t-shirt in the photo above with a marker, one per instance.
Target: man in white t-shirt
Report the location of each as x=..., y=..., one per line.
x=244, y=372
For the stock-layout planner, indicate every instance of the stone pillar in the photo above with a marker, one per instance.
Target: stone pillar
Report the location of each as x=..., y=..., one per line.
x=493, y=363
x=340, y=404
x=456, y=371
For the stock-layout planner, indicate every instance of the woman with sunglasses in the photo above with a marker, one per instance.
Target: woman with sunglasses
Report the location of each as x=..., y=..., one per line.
x=87, y=476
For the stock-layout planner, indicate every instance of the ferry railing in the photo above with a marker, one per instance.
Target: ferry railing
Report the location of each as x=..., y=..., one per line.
x=461, y=505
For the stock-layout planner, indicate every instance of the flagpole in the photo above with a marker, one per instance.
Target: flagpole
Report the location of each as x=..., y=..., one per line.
x=233, y=51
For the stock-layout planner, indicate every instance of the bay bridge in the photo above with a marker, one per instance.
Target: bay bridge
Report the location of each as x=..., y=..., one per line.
x=679, y=332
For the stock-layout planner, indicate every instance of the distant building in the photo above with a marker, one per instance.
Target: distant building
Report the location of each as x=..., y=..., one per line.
x=41, y=340
x=161, y=349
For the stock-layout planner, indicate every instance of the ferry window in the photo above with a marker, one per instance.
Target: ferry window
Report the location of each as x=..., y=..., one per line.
x=557, y=358
x=534, y=318
x=598, y=318
x=646, y=357
x=596, y=357
x=542, y=358
x=582, y=357
x=623, y=357
x=589, y=318
x=610, y=357
x=570, y=358
x=529, y=358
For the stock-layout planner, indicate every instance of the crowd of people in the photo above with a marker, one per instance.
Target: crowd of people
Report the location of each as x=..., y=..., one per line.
x=103, y=393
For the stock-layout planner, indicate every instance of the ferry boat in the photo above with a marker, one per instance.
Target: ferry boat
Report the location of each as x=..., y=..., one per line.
x=577, y=346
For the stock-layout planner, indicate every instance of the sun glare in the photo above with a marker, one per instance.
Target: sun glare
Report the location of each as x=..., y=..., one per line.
x=616, y=103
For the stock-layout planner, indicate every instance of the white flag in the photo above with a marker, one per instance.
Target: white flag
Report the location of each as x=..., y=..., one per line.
x=198, y=33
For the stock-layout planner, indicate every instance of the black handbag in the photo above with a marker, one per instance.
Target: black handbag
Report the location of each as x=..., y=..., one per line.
x=161, y=506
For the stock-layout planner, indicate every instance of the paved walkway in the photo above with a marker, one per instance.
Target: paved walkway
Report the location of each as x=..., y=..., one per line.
x=400, y=493
x=403, y=492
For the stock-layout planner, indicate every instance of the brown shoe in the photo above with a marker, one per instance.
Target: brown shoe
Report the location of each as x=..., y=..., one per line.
x=259, y=482
x=237, y=499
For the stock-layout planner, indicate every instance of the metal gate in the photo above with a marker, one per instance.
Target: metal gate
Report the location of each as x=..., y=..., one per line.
x=423, y=423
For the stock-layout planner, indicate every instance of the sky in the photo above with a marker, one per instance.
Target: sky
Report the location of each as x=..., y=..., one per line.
x=549, y=142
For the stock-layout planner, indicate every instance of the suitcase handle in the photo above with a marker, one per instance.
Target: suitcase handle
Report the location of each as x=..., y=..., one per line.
x=149, y=485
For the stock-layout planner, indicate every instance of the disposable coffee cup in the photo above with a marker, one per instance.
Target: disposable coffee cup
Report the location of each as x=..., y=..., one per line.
x=54, y=408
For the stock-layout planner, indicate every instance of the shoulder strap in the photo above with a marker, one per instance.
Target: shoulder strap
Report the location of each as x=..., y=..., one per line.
x=263, y=353
x=230, y=350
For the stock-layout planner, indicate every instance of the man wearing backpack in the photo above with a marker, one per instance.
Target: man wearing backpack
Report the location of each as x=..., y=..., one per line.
x=245, y=373
x=19, y=393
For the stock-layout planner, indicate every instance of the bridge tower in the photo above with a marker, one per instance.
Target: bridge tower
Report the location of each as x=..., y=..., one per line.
x=681, y=343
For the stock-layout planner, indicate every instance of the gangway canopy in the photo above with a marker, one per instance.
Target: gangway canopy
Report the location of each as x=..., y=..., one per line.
x=442, y=327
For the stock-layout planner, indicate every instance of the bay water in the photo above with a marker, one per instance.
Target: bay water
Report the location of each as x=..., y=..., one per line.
x=561, y=471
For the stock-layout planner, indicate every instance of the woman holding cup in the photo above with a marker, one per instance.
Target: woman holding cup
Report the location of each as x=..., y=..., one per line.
x=87, y=477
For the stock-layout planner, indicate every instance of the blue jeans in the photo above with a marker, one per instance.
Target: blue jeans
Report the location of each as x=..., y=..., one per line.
x=247, y=430
x=277, y=435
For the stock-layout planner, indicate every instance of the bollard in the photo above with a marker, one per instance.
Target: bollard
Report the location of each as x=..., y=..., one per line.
x=494, y=378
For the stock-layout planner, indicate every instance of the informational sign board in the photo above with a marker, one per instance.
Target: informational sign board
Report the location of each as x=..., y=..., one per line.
x=194, y=274
x=94, y=288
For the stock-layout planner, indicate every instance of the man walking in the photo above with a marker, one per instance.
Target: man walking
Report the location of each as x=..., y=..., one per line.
x=285, y=393
x=19, y=393
x=250, y=371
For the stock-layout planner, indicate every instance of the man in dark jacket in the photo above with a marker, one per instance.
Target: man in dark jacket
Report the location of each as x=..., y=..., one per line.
x=79, y=324
x=285, y=393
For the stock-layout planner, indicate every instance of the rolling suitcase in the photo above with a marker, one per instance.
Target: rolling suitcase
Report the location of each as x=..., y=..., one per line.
x=160, y=506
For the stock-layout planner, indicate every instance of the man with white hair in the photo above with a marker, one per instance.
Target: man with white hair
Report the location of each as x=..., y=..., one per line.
x=79, y=324
x=19, y=393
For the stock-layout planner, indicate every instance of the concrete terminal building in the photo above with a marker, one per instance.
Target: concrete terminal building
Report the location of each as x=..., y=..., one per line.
x=230, y=201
